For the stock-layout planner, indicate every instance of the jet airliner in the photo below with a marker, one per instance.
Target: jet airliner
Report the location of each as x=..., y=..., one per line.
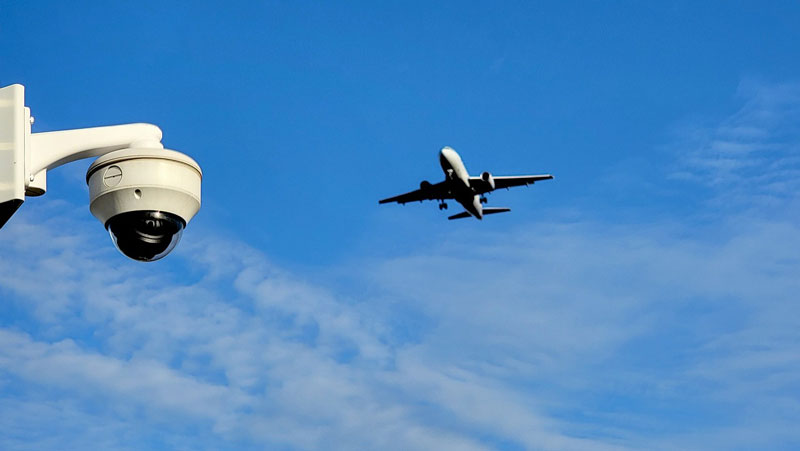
x=468, y=191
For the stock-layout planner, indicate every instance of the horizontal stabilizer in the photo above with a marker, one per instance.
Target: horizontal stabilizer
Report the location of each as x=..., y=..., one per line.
x=463, y=214
x=493, y=210
x=486, y=211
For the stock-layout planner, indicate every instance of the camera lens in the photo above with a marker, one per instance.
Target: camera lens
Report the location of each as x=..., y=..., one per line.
x=145, y=235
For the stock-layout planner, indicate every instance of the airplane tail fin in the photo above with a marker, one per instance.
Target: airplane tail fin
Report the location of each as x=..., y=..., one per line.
x=486, y=211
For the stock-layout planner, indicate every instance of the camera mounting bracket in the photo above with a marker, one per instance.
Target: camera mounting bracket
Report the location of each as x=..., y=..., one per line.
x=26, y=157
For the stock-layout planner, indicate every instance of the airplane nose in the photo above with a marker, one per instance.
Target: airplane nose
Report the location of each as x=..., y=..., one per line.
x=446, y=156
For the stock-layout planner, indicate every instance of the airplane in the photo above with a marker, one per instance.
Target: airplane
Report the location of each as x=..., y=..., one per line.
x=468, y=191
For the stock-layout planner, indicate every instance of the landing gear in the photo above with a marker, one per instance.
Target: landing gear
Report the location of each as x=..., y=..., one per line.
x=443, y=206
x=484, y=199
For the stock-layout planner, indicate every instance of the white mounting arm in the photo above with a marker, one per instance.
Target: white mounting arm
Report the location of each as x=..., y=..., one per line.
x=52, y=149
x=48, y=150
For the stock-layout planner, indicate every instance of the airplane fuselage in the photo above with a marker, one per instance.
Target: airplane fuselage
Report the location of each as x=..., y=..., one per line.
x=456, y=173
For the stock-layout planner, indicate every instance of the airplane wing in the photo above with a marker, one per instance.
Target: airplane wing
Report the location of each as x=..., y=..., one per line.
x=507, y=181
x=425, y=192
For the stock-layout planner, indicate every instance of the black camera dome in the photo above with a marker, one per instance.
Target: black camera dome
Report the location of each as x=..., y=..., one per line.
x=145, y=235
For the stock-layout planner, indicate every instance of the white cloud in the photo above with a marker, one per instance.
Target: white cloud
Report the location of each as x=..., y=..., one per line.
x=754, y=153
x=518, y=332
x=152, y=384
x=265, y=355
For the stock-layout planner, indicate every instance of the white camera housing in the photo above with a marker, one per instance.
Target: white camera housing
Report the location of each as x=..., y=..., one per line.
x=144, y=197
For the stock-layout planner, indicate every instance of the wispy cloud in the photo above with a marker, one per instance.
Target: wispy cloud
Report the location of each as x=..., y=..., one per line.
x=246, y=347
x=754, y=153
x=529, y=339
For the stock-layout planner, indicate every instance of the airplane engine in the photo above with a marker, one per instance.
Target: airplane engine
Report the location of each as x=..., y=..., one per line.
x=424, y=185
x=487, y=177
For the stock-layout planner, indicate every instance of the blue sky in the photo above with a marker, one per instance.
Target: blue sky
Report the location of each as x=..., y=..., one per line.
x=645, y=298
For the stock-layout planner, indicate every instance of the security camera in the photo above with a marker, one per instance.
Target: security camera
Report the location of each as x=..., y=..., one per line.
x=143, y=194
x=144, y=198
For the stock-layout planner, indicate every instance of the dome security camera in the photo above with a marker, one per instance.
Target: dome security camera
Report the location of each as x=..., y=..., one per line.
x=144, y=197
x=142, y=193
